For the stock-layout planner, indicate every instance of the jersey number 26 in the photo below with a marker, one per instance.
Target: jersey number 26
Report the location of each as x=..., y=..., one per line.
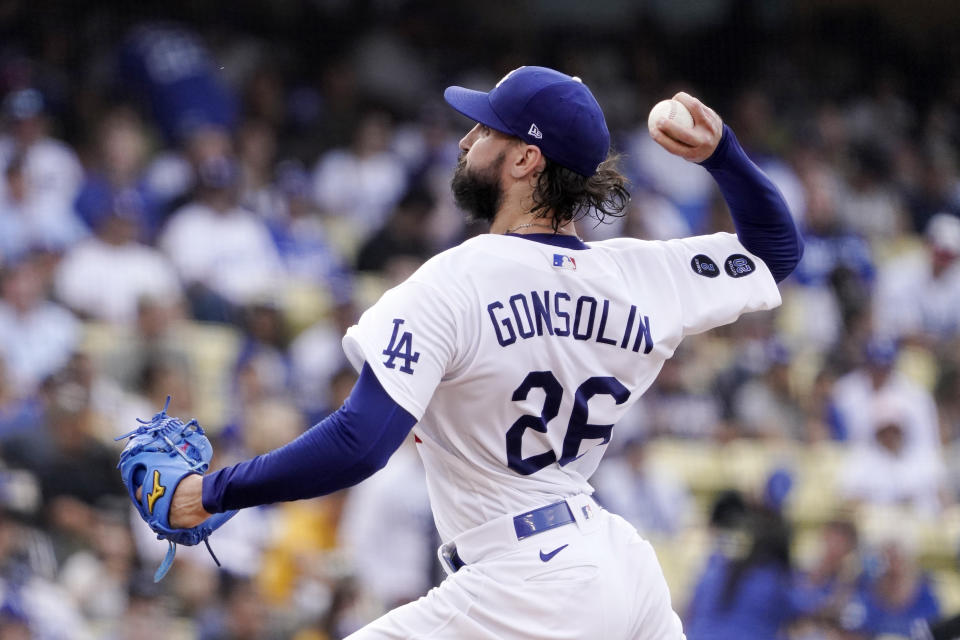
x=578, y=429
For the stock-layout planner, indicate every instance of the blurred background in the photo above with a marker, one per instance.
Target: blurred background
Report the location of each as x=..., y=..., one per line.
x=197, y=198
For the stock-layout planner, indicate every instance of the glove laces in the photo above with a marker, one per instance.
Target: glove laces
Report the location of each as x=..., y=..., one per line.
x=162, y=426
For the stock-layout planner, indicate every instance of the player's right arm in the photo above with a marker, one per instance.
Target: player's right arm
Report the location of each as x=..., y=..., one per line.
x=760, y=214
x=718, y=277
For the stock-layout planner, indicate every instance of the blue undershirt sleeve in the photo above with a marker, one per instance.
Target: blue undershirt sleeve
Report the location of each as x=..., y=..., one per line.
x=345, y=448
x=760, y=214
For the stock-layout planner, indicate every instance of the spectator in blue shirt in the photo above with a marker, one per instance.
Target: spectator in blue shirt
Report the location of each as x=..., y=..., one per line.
x=746, y=592
x=836, y=271
x=299, y=232
x=170, y=67
x=895, y=597
x=116, y=181
x=827, y=587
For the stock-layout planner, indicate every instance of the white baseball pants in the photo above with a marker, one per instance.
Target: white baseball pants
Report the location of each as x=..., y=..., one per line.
x=594, y=579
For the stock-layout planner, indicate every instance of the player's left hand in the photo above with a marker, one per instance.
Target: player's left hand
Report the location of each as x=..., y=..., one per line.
x=694, y=144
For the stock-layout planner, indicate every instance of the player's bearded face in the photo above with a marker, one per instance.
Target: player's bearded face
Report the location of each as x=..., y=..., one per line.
x=478, y=192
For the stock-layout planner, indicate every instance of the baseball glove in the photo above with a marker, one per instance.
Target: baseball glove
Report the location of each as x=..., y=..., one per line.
x=159, y=454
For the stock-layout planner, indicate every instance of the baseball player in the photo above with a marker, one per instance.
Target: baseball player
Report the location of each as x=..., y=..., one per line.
x=512, y=356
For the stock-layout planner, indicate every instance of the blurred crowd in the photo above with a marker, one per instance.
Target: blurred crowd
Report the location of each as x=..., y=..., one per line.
x=199, y=211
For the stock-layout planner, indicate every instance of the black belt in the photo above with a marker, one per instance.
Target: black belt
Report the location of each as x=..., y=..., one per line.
x=526, y=525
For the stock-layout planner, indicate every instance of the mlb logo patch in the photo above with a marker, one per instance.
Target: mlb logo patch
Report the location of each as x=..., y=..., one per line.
x=564, y=262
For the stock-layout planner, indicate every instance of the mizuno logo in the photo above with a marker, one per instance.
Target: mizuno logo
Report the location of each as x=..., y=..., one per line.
x=156, y=493
x=547, y=557
x=534, y=131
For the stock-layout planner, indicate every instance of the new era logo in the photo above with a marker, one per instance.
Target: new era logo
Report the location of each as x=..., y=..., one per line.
x=534, y=131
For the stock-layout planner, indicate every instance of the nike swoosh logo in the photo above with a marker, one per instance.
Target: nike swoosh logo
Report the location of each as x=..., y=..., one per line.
x=547, y=557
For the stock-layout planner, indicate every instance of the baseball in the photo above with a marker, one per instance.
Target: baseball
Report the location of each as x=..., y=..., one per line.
x=671, y=110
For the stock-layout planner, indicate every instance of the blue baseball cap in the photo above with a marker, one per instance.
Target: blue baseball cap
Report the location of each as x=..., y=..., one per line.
x=881, y=351
x=543, y=107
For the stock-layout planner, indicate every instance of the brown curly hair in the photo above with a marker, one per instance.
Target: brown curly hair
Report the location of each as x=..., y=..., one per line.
x=571, y=196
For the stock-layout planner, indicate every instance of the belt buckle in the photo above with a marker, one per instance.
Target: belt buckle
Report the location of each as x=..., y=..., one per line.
x=450, y=558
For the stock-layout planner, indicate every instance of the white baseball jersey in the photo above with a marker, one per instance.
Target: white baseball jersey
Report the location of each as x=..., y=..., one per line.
x=517, y=356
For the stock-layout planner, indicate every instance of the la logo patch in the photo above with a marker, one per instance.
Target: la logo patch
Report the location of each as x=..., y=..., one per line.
x=156, y=493
x=401, y=347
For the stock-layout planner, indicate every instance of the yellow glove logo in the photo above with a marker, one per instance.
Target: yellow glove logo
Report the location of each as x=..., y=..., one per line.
x=158, y=490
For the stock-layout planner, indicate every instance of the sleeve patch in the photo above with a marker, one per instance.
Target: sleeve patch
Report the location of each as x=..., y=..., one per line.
x=703, y=265
x=738, y=265
x=401, y=346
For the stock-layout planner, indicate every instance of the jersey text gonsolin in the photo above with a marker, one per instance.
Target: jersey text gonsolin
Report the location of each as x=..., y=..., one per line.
x=558, y=314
